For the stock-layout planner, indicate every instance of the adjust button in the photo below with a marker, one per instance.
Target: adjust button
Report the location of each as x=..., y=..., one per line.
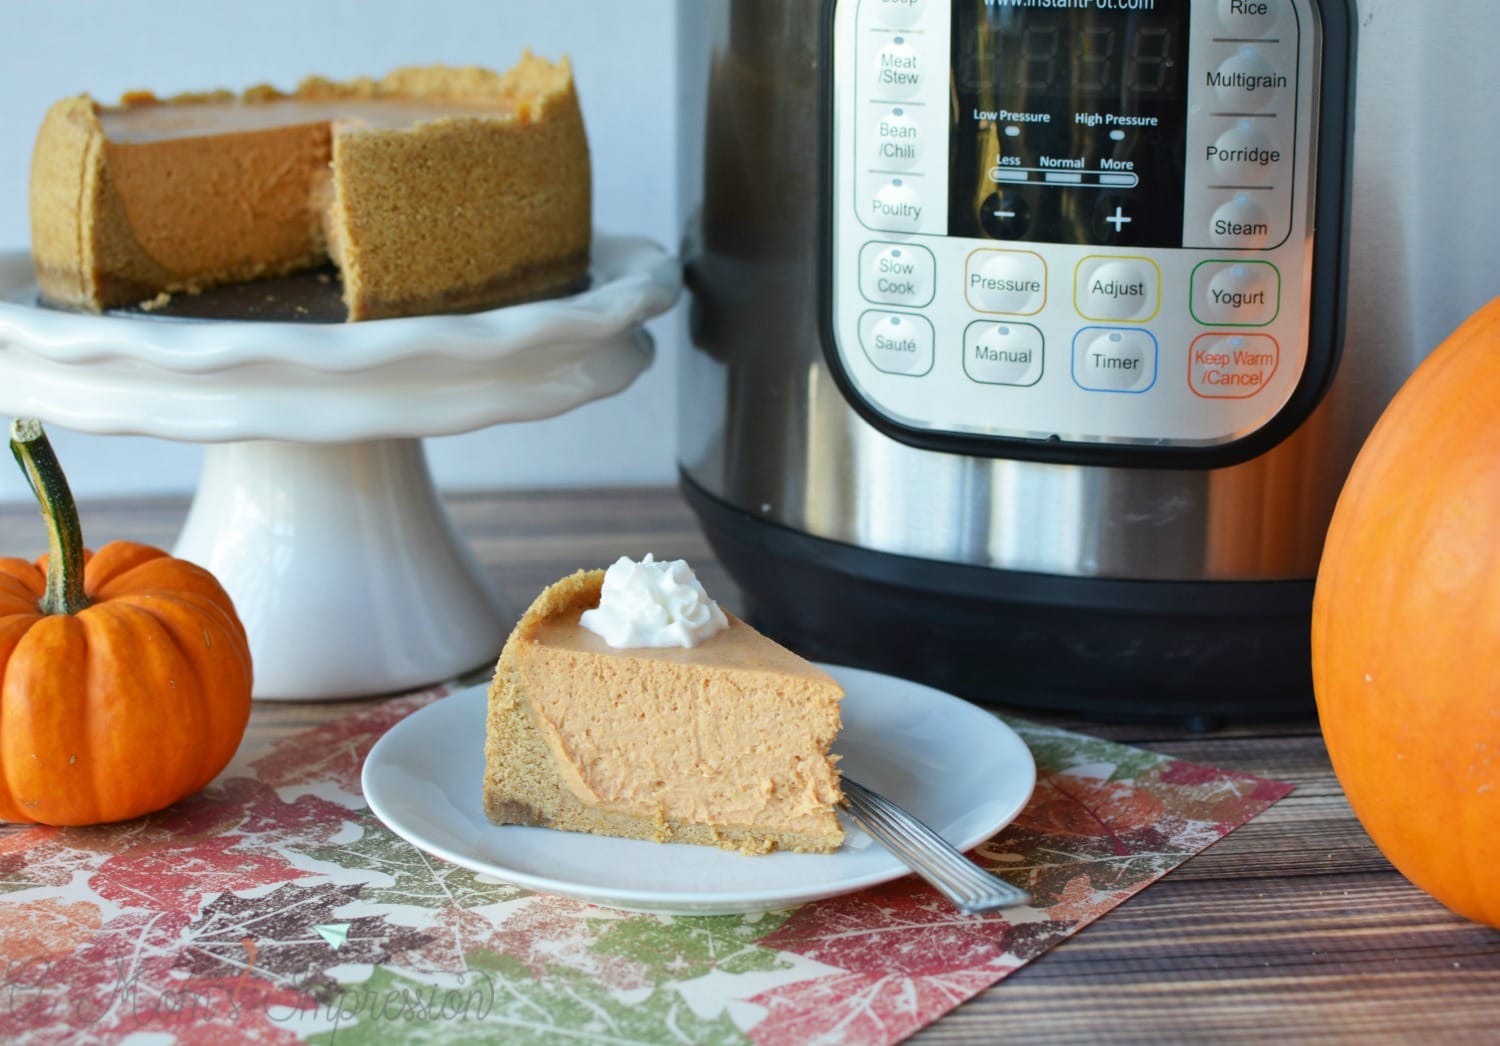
x=1012, y=282
x=897, y=343
x=1112, y=288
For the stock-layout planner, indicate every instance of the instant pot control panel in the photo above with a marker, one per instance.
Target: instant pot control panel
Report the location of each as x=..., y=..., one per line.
x=1102, y=231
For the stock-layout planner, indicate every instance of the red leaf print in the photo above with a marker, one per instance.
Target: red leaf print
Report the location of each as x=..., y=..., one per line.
x=45, y=928
x=1091, y=808
x=336, y=751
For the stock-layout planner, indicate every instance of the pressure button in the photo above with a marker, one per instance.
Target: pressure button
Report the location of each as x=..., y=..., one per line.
x=1012, y=282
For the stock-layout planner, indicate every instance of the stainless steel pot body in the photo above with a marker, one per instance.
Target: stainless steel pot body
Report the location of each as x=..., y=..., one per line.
x=764, y=429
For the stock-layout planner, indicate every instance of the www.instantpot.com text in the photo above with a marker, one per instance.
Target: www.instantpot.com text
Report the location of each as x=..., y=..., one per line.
x=1106, y=5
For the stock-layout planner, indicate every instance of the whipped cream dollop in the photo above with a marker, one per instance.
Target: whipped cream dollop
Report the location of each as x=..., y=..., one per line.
x=653, y=604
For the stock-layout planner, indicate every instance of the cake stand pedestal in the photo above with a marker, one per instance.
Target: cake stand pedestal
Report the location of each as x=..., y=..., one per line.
x=315, y=508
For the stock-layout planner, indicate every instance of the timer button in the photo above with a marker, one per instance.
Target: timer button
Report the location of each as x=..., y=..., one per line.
x=897, y=274
x=1248, y=17
x=897, y=343
x=1247, y=82
x=1013, y=282
x=1003, y=353
x=1240, y=223
x=1107, y=360
x=897, y=139
x=899, y=14
x=898, y=70
x=1236, y=293
x=1107, y=288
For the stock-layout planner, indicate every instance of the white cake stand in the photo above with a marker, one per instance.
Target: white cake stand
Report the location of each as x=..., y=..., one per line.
x=315, y=508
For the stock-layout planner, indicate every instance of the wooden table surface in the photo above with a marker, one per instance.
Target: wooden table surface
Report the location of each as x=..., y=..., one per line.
x=1292, y=928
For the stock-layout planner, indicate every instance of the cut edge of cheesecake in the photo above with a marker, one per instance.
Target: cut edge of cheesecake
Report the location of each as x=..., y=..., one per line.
x=523, y=783
x=478, y=207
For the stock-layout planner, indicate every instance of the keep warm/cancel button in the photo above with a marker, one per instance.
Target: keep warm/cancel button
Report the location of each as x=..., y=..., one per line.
x=1232, y=366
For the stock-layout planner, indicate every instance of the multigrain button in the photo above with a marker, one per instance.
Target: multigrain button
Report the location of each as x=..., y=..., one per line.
x=897, y=14
x=1003, y=353
x=898, y=70
x=1118, y=289
x=1236, y=293
x=897, y=343
x=897, y=273
x=1013, y=282
x=1247, y=82
x=1106, y=360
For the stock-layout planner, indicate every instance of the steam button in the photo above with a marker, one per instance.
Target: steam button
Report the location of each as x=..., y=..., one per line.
x=897, y=343
x=1241, y=222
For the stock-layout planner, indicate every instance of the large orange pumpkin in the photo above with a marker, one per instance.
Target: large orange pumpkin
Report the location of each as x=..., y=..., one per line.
x=1406, y=626
x=124, y=676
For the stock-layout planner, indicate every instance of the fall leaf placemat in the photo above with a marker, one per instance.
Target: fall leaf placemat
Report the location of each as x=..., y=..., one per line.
x=276, y=907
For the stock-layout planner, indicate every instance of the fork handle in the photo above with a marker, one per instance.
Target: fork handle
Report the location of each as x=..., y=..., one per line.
x=928, y=854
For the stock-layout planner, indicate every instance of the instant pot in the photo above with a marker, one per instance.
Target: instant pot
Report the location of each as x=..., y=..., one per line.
x=1031, y=340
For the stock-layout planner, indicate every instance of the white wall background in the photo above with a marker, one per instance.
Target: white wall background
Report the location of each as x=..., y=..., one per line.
x=623, y=56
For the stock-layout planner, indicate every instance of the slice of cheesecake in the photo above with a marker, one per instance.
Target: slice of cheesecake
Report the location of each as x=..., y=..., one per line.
x=432, y=190
x=723, y=743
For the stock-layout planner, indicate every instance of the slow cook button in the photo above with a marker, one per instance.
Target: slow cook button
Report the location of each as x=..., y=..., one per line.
x=1106, y=360
x=1003, y=353
x=897, y=274
x=897, y=343
x=1232, y=366
x=1013, y=282
x=1119, y=289
x=898, y=70
x=1248, y=82
x=1236, y=293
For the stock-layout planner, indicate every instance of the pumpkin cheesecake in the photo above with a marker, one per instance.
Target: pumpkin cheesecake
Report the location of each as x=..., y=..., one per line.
x=724, y=742
x=433, y=189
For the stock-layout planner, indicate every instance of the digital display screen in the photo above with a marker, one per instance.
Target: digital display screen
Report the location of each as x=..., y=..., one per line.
x=1069, y=121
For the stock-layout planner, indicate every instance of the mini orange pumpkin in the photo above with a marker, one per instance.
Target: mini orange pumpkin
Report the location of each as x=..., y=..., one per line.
x=1406, y=626
x=124, y=676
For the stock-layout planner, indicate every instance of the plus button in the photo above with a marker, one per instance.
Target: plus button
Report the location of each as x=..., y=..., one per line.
x=1118, y=219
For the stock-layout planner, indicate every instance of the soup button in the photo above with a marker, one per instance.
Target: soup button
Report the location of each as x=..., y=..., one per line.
x=896, y=342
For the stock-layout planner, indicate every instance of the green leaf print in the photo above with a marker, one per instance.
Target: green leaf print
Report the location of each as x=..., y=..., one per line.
x=500, y=1001
x=679, y=949
x=417, y=879
x=1057, y=751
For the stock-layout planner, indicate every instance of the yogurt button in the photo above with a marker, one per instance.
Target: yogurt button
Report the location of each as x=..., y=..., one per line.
x=1240, y=223
x=1239, y=293
x=1006, y=281
x=1114, y=360
x=898, y=70
x=897, y=343
x=1247, y=82
x=1003, y=353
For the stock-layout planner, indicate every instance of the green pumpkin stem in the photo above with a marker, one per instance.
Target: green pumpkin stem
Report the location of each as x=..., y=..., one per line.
x=29, y=444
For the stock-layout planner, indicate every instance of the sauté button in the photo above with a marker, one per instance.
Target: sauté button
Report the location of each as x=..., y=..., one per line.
x=897, y=343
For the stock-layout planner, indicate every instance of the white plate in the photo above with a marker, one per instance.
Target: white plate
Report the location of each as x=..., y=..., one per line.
x=955, y=766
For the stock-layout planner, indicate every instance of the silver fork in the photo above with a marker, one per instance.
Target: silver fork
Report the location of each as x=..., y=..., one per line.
x=928, y=854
